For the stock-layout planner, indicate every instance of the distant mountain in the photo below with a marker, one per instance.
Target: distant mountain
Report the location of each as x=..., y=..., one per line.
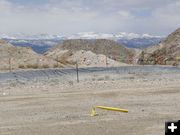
x=165, y=53
x=131, y=40
x=121, y=35
x=41, y=43
x=107, y=47
x=39, y=46
x=22, y=36
x=140, y=43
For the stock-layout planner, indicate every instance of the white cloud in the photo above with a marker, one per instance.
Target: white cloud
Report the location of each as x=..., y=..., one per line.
x=164, y=19
x=72, y=16
x=4, y=6
x=125, y=14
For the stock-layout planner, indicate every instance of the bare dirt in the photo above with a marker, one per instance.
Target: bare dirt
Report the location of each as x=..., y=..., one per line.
x=84, y=58
x=15, y=57
x=53, y=108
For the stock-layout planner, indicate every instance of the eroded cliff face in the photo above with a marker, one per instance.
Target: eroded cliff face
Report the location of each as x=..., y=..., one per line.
x=165, y=53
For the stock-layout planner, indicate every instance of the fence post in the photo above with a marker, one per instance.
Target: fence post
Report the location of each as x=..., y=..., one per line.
x=77, y=71
x=10, y=66
x=106, y=62
x=57, y=59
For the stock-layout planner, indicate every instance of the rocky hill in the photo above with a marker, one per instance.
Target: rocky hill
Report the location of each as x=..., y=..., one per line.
x=84, y=58
x=12, y=57
x=109, y=48
x=165, y=53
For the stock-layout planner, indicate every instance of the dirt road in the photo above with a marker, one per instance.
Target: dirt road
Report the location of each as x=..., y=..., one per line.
x=64, y=109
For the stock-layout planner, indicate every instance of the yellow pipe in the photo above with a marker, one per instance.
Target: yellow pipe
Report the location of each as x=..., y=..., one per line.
x=93, y=111
x=112, y=109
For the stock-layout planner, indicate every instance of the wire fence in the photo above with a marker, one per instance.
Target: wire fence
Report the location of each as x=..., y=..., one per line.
x=79, y=74
x=74, y=72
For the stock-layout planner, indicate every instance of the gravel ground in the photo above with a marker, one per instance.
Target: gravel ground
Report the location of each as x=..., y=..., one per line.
x=54, y=103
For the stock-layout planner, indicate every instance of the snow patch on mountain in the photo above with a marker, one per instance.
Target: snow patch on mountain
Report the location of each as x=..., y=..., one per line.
x=21, y=36
x=81, y=35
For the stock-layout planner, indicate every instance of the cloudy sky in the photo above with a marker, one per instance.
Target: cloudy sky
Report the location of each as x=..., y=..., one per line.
x=156, y=17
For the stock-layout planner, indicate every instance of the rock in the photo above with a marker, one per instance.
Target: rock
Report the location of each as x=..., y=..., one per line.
x=91, y=53
x=165, y=53
x=13, y=57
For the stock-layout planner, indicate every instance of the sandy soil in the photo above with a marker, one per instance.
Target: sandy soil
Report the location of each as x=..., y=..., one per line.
x=64, y=109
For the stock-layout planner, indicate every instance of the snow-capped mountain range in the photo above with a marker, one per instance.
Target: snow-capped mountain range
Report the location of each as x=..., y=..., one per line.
x=21, y=36
x=82, y=35
x=42, y=42
x=121, y=35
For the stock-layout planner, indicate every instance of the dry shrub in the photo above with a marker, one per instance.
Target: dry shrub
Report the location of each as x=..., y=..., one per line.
x=100, y=79
x=34, y=66
x=175, y=64
x=22, y=66
x=55, y=65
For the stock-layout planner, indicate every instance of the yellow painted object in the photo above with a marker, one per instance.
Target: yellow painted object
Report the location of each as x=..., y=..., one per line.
x=93, y=111
x=112, y=109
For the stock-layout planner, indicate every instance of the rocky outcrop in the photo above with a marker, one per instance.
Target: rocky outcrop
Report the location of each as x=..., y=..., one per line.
x=165, y=53
x=12, y=57
x=105, y=47
x=83, y=58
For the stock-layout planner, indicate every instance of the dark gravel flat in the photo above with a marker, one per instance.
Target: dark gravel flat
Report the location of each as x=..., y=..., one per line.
x=31, y=75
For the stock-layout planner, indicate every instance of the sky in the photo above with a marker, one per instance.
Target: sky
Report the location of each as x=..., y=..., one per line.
x=156, y=17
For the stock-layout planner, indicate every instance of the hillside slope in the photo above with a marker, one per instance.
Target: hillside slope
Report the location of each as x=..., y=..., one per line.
x=106, y=47
x=165, y=53
x=84, y=58
x=12, y=57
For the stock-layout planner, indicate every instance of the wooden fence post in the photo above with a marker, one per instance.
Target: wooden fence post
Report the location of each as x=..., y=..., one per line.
x=77, y=71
